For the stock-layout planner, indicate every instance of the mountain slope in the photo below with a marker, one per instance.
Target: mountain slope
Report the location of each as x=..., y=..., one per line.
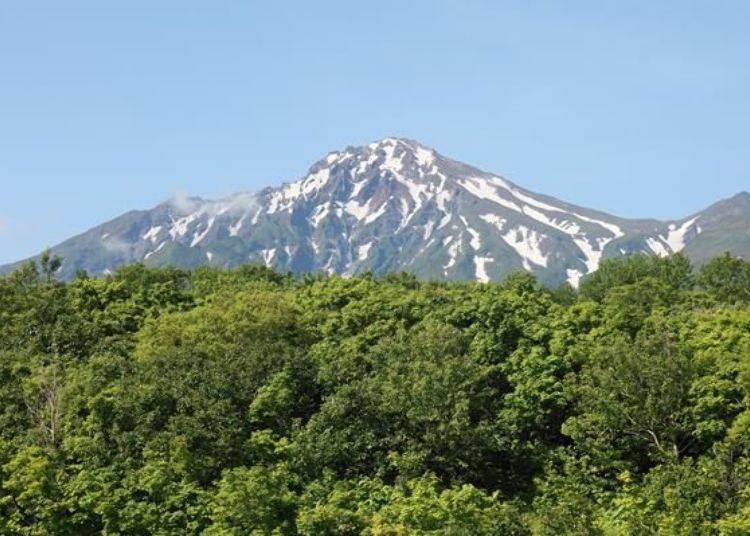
x=398, y=205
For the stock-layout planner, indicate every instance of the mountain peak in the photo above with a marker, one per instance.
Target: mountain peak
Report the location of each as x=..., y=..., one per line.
x=738, y=202
x=395, y=204
x=396, y=140
x=390, y=146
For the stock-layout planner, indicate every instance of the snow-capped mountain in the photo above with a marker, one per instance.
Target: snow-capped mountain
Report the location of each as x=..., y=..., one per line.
x=397, y=205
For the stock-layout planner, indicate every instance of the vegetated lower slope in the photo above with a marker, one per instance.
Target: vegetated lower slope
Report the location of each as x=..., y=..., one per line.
x=396, y=205
x=159, y=401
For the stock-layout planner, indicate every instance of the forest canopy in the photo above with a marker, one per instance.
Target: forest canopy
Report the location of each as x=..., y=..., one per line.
x=163, y=401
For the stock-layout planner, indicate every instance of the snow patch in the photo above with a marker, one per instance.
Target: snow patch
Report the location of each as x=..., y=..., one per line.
x=493, y=219
x=527, y=243
x=592, y=254
x=611, y=227
x=320, y=213
x=268, y=255
x=180, y=226
x=353, y=208
x=482, y=189
x=364, y=164
x=357, y=187
x=480, y=268
x=475, y=241
x=574, y=277
x=425, y=157
x=235, y=228
x=657, y=247
x=284, y=198
x=363, y=251
x=675, y=238
x=428, y=229
x=453, y=253
x=197, y=237
x=158, y=248
x=375, y=215
x=392, y=163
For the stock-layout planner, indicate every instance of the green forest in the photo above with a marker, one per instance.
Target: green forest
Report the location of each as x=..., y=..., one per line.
x=223, y=402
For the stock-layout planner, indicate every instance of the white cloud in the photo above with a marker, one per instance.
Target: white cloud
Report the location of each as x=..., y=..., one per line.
x=183, y=203
x=116, y=245
x=238, y=203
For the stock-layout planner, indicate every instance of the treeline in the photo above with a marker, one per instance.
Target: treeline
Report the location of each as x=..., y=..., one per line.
x=161, y=401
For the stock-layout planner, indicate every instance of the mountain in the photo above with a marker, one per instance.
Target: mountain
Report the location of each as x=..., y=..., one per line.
x=397, y=205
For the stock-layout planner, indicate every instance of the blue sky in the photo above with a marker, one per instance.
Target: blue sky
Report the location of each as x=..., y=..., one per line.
x=639, y=108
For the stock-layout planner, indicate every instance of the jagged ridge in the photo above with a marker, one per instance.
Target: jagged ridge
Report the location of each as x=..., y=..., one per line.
x=395, y=205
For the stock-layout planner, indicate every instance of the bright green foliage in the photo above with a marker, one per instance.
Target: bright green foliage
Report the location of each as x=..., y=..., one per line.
x=163, y=401
x=726, y=278
x=673, y=272
x=416, y=506
x=254, y=501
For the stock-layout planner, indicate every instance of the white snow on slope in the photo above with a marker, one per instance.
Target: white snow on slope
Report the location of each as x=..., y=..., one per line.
x=285, y=197
x=321, y=211
x=234, y=229
x=493, y=219
x=425, y=157
x=487, y=189
x=152, y=234
x=364, y=164
x=675, y=238
x=453, y=253
x=565, y=226
x=375, y=215
x=480, y=268
x=180, y=226
x=198, y=236
x=475, y=241
x=417, y=191
x=574, y=277
x=353, y=208
x=592, y=254
x=527, y=243
x=392, y=163
x=611, y=227
x=158, y=248
x=357, y=187
x=657, y=247
x=484, y=190
x=440, y=200
x=363, y=251
x=268, y=255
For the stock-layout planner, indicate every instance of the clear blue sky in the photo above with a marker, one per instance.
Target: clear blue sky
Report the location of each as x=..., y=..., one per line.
x=639, y=108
